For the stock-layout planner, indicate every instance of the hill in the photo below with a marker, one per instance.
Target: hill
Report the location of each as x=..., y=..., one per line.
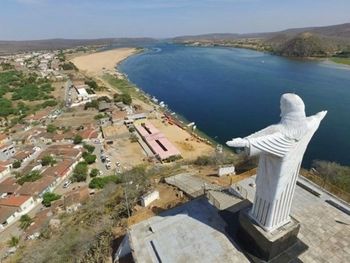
x=8, y=47
x=299, y=42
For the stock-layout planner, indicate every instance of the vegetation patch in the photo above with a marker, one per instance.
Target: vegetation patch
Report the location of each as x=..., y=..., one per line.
x=49, y=197
x=101, y=182
x=30, y=177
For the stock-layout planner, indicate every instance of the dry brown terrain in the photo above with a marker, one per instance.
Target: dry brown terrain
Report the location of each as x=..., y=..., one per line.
x=189, y=146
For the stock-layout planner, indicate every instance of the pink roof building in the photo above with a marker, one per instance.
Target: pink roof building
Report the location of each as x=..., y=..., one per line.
x=157, y=141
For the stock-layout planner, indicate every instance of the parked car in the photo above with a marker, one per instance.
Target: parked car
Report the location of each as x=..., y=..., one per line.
x=67, y=183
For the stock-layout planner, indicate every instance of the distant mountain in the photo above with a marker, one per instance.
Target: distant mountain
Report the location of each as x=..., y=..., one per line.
x=299, y=42
x=7, y=47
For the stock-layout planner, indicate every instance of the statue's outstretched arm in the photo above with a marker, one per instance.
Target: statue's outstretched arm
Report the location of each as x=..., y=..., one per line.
x=269, y=140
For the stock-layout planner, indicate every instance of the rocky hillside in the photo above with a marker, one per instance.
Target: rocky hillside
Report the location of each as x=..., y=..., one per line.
x=298, y=42
x=306, y=45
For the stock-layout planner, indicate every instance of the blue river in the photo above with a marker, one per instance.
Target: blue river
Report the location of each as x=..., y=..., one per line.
x=230, y=92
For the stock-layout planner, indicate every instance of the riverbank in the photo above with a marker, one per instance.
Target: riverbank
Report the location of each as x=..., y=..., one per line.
x=99, y=63
x=256, y=46
x=103, y=66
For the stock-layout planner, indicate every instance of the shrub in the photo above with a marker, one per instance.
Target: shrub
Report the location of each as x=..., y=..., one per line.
x=49, y=197
x=16, y=164
x=89, y=158
x=5, y=107
x=13, y=241
x=30, y=177
x=77, y=139
x=48, y=160
x=25, y=221
x=92, y=84
x=80, y=172
x=89, y=148
x=94, y=172
x=51, y=128
x=68, y=66
x=101, y=182
x=125, y=98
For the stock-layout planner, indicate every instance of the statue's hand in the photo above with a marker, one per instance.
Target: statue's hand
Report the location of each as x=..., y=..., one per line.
x=238, y=143
x=321, y=114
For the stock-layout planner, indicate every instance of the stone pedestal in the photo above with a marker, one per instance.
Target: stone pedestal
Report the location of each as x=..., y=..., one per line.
x=266, y=246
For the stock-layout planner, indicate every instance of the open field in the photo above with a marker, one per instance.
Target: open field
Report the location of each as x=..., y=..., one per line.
x=96, y=64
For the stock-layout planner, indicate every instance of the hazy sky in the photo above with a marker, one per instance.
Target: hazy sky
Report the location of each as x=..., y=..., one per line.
x=41, y=19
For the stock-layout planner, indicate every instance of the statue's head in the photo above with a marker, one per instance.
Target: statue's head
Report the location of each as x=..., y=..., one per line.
x=292, y=107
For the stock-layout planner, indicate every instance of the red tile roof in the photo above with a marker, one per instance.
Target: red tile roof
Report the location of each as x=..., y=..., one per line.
x=58, y=170
x=89, y=133
x=37, y=187
x=14, y=201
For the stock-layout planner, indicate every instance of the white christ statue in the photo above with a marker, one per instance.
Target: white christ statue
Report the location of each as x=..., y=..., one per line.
x=280, y=148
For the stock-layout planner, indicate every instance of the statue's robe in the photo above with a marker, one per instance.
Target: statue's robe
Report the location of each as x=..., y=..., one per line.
x=280, y=148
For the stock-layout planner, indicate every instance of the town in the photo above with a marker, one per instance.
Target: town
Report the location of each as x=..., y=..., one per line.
x=80, y=145
x=65, y=136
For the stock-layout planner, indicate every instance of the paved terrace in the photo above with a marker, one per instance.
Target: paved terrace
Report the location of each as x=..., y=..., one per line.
x=324, y=228
x=193, y=232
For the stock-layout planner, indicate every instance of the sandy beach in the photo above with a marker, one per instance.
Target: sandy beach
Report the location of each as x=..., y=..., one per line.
x=97, y=63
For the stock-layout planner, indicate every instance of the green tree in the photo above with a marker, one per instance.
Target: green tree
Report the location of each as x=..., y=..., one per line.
x=126, y=99
x=89, y=148
x=80, y=172
x=25, y=221
x=92, y=84
x=94, y=172
x=49, y=197
x=89, y=158
x=77, y=139
x=48, y=160
x=16, y=164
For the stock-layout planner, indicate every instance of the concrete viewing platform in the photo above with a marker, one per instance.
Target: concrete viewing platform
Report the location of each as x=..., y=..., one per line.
x=199, y=231
x=324, y=228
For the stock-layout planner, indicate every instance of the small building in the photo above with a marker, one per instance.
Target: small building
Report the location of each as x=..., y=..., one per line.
x=22, y=202
x=226, y=170
x=4, y=170
x=82, y=93
x=89, y=134
x=104, y=106
x=60, y=170
x=137, y=116
x=148, y=198
x=39, y=187
x=7, y=151
x=7, y=215
x=104, y=121
x=8, y=187
x=118, y=117
x=158, y=143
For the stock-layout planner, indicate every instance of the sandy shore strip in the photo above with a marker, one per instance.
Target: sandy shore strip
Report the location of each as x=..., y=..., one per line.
x=96, y=64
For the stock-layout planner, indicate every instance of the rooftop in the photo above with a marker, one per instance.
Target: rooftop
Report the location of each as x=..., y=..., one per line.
x=14, y=201
x=156, y=140
x=6, y=212
x=37, y=187
x=193, y=232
